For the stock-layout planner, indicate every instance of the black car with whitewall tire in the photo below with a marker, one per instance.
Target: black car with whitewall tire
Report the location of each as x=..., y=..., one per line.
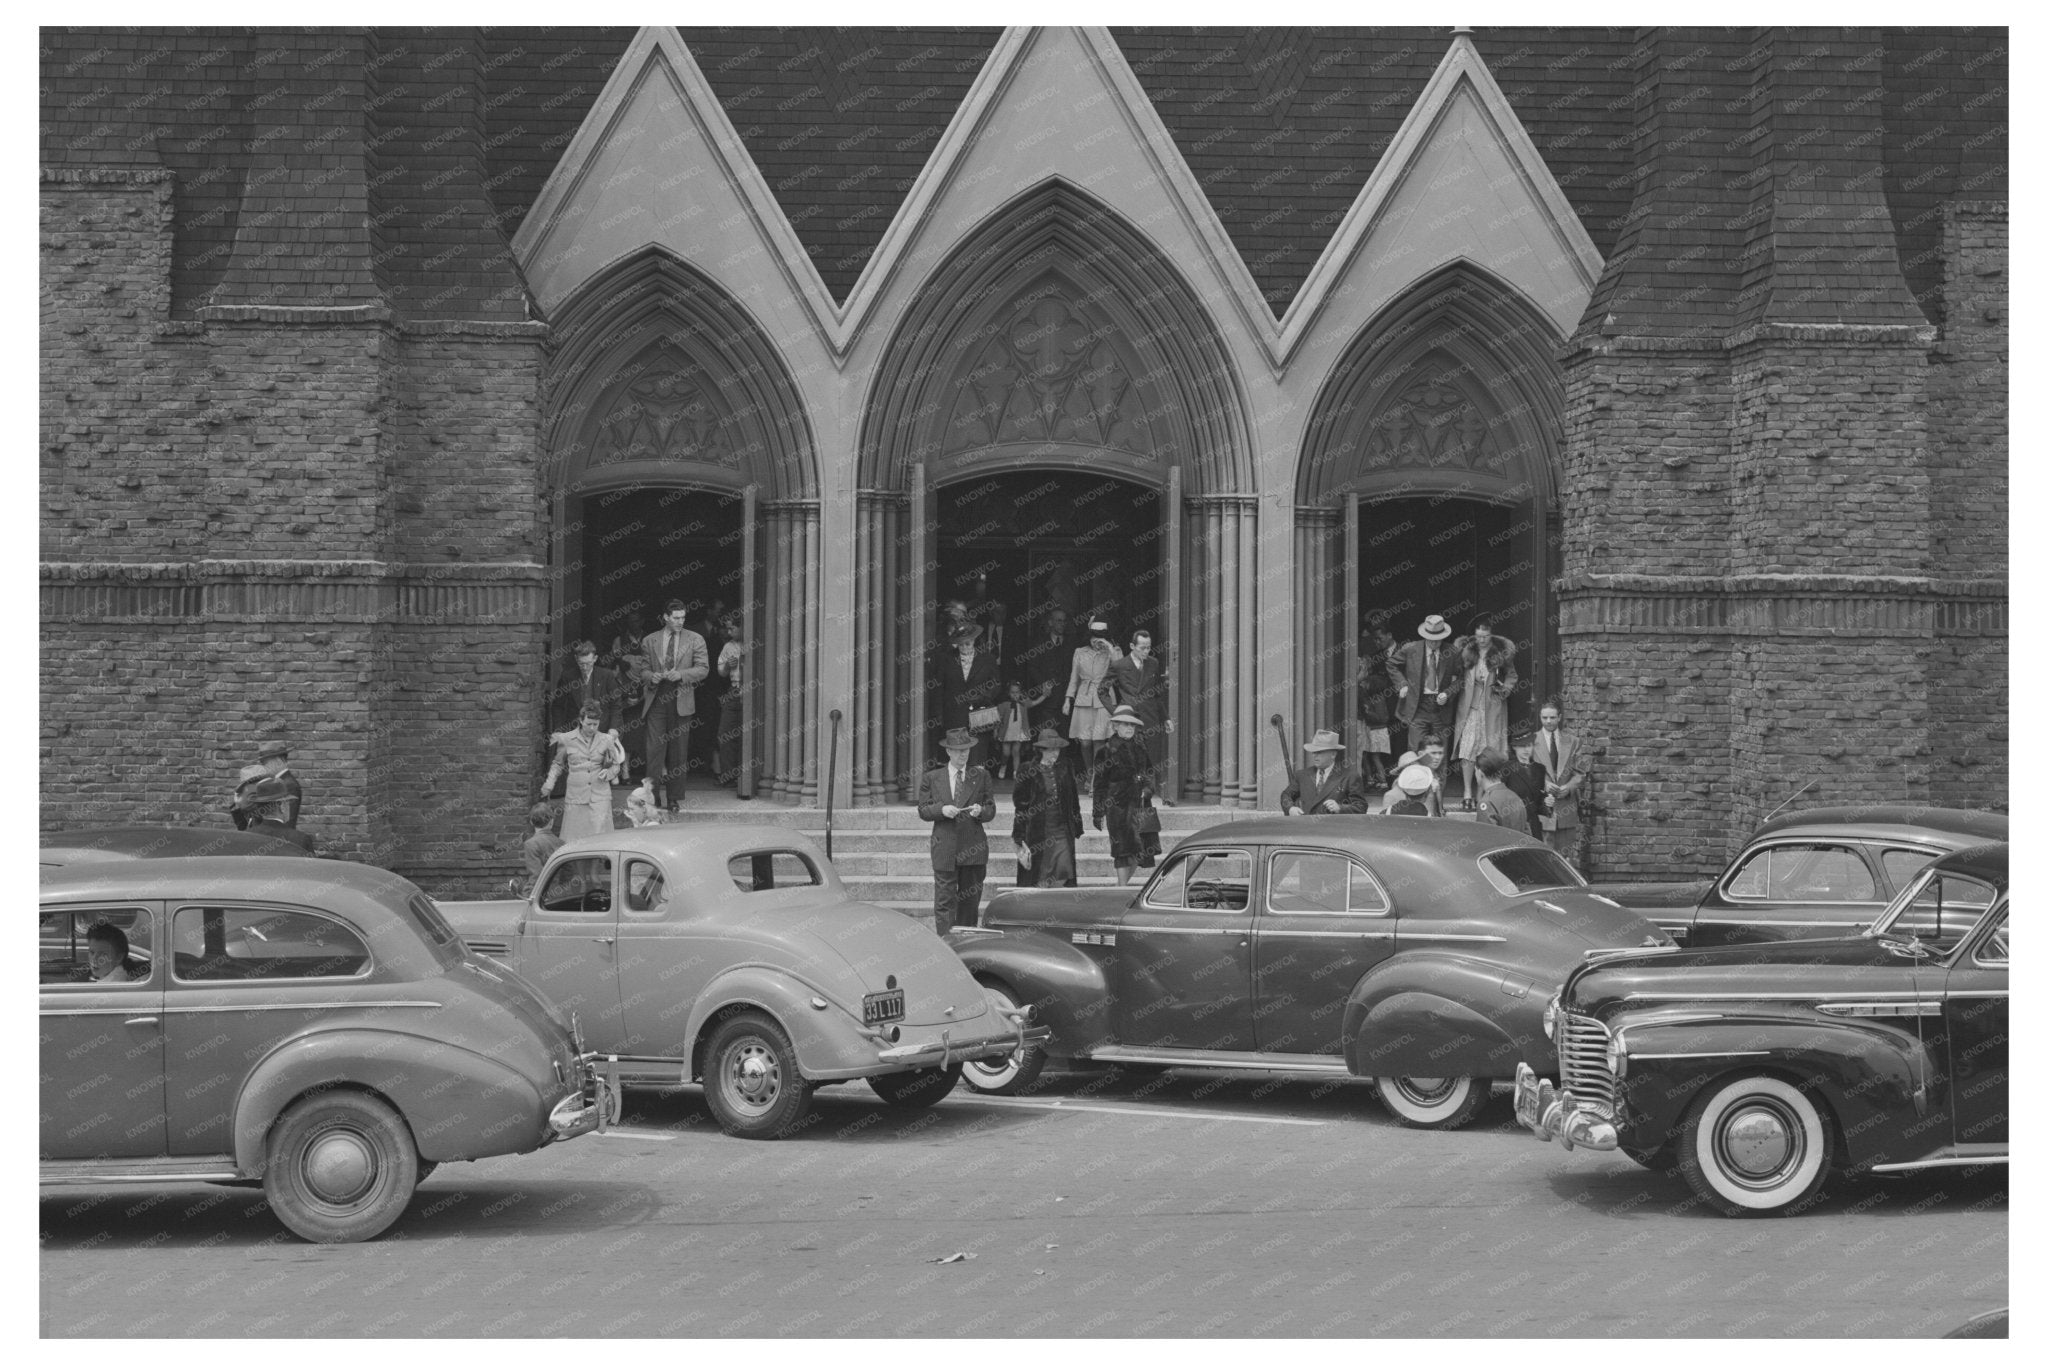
x=1764, y=1074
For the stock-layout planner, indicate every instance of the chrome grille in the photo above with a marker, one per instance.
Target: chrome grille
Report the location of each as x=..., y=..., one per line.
x=1582, y=1059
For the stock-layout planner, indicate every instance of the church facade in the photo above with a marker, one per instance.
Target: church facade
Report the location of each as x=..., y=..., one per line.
x=380, y=365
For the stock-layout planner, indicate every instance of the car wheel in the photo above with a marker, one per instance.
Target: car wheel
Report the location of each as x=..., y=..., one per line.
x=916, y=1089
x=1756, y=1146
x=1016, y=1074
x=751, y=1079
x=426, y=1168
x=1433, y=1101
x=341, y=1167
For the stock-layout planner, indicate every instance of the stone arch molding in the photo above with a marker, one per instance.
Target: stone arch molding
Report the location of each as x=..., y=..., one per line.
x=660, y=375
x=1056, y=335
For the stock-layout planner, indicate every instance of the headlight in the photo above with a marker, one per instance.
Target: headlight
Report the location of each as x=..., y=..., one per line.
x=1550, y=1013
x=1617, y=1056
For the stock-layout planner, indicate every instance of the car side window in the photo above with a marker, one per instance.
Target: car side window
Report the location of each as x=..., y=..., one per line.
x=1303, y=883
x=71, y=955
x=1204, y=879
x=646, y=892
x=772, y=870
x=1996, y=949
x=256, y=943
x=1804, y=872
x=1901, y=865
x=1944, y=911
x=579, y=886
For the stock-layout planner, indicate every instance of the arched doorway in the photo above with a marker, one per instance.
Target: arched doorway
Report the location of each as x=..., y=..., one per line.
x=682, y=467
x=1427, y=486
x=1057, y=360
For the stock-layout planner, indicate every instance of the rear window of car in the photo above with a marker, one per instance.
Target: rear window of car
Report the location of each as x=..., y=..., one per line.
x=1515, y=871
x=772, y=870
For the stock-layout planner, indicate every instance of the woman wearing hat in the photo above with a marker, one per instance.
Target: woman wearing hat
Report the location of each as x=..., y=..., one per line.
x=593, y=760
x=1488, y=664
x=1087, y=717
x=1123, y=787
x=968, y=683
x=1048, y=818
x=1411, y=791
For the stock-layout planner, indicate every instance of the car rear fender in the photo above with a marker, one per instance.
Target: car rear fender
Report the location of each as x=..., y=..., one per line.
x=1871, y=1072
x=1064, y=987
x=459, y=1104
x=828, y=1042
x=1446, y=1014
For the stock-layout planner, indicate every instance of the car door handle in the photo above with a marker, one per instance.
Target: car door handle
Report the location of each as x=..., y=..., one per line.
x=607, y=942
x=141, y=1019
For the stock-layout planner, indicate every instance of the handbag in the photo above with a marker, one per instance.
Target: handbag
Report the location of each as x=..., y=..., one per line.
x=1145, y=820
x=984, y=717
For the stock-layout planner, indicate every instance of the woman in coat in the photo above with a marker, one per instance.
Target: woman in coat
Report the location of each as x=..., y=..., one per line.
x=1489, y=662
x=1123, y=787
x=1087, y=716
x=593, y=760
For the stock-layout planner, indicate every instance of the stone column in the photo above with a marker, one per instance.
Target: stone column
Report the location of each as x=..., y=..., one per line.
x=792, y=738
x=1223, y=619
x=873, y=724
x=1318, y=619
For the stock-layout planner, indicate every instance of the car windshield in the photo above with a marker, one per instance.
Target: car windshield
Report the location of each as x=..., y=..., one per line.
x=1515, y=871
x=1938, y=908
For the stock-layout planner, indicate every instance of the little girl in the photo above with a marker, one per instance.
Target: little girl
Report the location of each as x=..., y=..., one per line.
x=640, y=807
x=1012, y=728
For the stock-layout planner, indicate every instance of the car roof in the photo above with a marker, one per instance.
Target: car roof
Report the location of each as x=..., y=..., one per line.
x=325, y=882
x=1986, y=861
x=710, y=840
x=1894, y=820
x=1367, y=834
x=112, y=842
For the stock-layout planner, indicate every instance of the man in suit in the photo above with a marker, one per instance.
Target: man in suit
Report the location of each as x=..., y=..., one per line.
x=1427, y=676
x=273, y=756
x=1564, y=766
x=968, y=682
x=676, y=661
x=1044, y=666
x=585, y=681
x=1325, y=787
x=1498, y=803
x=958, y=799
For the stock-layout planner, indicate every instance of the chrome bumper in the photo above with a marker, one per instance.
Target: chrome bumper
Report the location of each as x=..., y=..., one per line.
x=1547, y=1114
x=593, y=1108
x=944, y=1051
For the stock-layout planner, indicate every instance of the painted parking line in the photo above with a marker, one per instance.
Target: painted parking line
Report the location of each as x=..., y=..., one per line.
x=640, y=1133
x=1071, y=1107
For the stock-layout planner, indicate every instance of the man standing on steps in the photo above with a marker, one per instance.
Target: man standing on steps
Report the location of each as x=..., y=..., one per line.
x=958, y=799
x=676, y=662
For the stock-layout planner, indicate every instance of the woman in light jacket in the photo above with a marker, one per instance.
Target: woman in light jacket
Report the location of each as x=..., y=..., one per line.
x=1087, y=714
x=593, y=760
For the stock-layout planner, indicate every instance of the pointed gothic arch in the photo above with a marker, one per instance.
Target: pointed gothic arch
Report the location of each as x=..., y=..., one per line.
x=1450, y=398
x=660, y=386
x=1058, y=337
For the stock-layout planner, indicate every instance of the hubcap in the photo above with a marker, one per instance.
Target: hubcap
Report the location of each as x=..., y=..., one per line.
x=1760, y=1143
x=1425, y=1089
x=756, y=1078
x=340, y=1166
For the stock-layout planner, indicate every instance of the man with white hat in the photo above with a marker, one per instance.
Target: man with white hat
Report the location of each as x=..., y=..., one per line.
x=1325, y=787
x=1427, y=677
x=958, y=799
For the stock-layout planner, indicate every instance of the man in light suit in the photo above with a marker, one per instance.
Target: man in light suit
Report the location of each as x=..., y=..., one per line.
x=958, y=799
x=1427, y=675
x=676, y=662
x=1563, y=765
x=1325, y=787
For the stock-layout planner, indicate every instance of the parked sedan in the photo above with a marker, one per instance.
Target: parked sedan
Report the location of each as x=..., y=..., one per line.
x=314, y=1026
x=1417, y=952
x=1817, y=873
x=731, y=954
x=1766, y=1072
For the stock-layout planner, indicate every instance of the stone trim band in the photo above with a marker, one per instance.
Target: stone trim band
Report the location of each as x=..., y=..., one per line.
x=1818, y=606
x=283, y=590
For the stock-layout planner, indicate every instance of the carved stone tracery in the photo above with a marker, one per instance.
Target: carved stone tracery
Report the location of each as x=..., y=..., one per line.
x=663, y=407
x=1432, y=422
x=1049, y=370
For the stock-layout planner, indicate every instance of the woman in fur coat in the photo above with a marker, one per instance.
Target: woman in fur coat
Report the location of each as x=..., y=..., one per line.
x=1483, y=703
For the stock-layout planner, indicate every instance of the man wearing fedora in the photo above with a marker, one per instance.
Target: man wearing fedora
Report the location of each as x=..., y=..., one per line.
x=968, y=683
x=272, y=756
x=1427, y=677
x=1325, y=787
x=1048, y=815
x=259, y=804
x=958, y=799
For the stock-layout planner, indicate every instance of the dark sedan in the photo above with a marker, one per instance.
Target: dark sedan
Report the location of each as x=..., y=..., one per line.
x=1417, y=952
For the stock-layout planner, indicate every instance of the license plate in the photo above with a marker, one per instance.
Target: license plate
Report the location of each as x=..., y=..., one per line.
x=881, y=1007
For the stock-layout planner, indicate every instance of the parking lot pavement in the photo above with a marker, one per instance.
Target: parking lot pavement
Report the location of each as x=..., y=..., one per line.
x=1170, y=1205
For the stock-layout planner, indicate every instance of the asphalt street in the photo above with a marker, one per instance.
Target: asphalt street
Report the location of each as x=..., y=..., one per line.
x=1167, y=1205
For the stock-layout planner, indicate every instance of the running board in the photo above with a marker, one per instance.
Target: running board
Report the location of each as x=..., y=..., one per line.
x=1962, y=1154
x=139, y=1170
x=1300, y=1063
